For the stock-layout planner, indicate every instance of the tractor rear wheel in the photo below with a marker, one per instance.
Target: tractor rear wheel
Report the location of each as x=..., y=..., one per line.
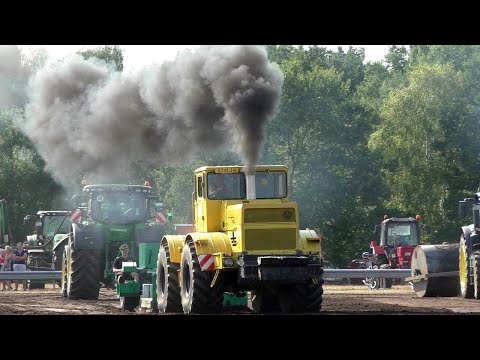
x=476, y=275
x=83, y=277
x=263, y=300
x=466, y=289
x=64, y=271
x=32, y=265
x=168, y=290
x=301, y=298
x=197, y=295
x=388, y=281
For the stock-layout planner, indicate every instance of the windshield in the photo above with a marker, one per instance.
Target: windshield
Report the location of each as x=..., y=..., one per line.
x=268, y=184
x=402, y=234
x=52, y=223
x=118, y=207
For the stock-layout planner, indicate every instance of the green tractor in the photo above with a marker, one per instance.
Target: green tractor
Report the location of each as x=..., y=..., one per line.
x=116, y=214
x=50, y=227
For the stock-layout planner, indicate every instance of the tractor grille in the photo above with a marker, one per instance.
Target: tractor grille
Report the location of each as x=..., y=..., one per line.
x=270, y=215
x=270, y=239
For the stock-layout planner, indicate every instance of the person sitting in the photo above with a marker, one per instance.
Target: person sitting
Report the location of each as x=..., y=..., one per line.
x=217, y=189
x=117, y=266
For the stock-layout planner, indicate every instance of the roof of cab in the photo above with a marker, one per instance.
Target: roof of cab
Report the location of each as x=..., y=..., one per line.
x=239, y=168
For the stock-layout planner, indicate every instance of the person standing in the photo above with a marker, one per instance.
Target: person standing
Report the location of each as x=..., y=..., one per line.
x=7, y=264
x=20, y=263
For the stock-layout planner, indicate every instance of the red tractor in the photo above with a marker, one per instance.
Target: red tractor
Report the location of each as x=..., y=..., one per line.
x=398, y=238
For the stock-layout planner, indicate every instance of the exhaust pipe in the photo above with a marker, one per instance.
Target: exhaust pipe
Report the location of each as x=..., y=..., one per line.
x=251, y=190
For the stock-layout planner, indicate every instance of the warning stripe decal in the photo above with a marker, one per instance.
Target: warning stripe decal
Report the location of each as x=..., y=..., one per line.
x=206, y=262
x=76, y=216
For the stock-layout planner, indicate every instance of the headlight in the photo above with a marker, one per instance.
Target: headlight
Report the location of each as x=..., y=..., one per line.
x=227, y=262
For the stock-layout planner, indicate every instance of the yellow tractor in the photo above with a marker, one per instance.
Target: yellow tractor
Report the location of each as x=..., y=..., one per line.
x=246, y=238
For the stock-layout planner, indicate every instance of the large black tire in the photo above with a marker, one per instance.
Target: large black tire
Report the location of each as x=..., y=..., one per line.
x=466, y=289
x=197, y=295
x=476, y=275
x=302, y=298
x=168, y=290
x=83, y=279
x=264, y=300
x=64, y=271
x=32, y=265
x=129, y=303
x=388, y=281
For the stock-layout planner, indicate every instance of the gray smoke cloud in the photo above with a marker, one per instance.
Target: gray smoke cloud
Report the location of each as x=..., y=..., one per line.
x=87, y=120
x=13, y=77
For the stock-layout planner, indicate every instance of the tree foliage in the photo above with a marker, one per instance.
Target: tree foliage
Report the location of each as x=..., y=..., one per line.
x=360, y=139
x=110, y=53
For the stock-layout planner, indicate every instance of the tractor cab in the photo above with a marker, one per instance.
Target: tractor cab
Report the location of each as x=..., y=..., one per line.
x=398, y=238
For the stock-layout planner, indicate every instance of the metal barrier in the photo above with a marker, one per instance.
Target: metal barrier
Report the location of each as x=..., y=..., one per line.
x=30, y=275
x=366, y=273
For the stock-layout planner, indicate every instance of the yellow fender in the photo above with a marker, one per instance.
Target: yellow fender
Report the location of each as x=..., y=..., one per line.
x=310, y=242
x=211, y=249
x=175, y=245
x=211, y=243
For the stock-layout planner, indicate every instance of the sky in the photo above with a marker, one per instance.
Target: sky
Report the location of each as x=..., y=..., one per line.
x=139, y=56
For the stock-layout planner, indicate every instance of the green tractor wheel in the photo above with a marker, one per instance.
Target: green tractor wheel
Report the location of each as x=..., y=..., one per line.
x=64, y=271
x=466, y=289
x=32, y=264
x=197, y=295
x=168, y=289
x=476, y=275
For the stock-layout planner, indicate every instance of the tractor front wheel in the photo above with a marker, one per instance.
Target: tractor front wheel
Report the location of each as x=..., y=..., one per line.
x=197, y=295
x=83, y=275
x=388, y=281
x=476, y=275
x=168, y=289
x=466, y=289
x=64, y=271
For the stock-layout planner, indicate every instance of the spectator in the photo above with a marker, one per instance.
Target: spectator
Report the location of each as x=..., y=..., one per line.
x=7, y=264
x=20, y=264
x=2, y=260
x=117, y=266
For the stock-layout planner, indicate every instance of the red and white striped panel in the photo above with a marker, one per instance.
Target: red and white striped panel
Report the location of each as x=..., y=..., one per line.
x=206, y=262
x=161, y=218
x=76, y=215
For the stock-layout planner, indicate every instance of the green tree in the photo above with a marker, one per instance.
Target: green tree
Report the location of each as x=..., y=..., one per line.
x=420, y=143
x=321, y=133
x=109, y=53
x=23, y=182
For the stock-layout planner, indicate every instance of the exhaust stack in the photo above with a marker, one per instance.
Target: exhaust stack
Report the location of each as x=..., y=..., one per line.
x=251, y=190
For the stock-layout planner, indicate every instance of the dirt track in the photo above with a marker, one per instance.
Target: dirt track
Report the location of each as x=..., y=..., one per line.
x=337, y=300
